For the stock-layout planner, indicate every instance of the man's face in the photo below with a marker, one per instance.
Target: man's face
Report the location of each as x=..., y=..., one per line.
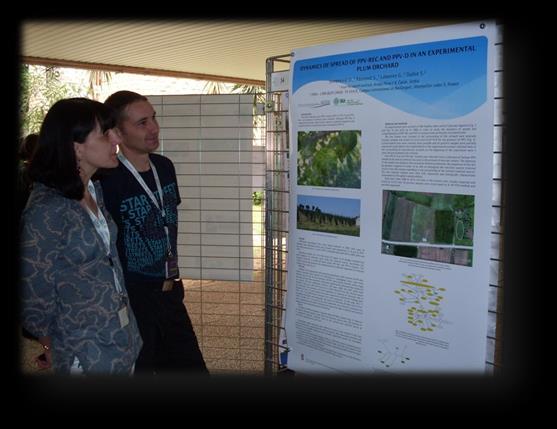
x=140, y=129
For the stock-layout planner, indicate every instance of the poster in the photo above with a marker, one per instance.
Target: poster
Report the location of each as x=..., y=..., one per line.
x=391, y=143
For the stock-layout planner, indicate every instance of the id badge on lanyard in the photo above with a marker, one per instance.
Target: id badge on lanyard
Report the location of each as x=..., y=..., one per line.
x=123, y=312
x=171, y=266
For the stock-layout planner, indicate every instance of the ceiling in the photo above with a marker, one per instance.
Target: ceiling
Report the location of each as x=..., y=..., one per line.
x=228, y=50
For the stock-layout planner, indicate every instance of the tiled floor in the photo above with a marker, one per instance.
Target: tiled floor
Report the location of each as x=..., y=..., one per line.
x=229, y=318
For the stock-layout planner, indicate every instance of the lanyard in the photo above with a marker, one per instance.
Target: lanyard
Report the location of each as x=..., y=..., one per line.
x=148, y=191
x=101, y=226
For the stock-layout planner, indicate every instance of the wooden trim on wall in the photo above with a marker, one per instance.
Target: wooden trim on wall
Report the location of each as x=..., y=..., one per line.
x=138, y=70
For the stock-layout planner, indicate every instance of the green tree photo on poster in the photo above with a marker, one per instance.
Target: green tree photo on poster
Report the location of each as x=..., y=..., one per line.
x=330, y=158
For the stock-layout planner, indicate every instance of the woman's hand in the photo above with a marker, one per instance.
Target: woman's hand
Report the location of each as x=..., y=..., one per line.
x=44, y=360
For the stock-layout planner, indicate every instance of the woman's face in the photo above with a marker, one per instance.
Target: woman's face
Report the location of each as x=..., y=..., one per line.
x=98, y=150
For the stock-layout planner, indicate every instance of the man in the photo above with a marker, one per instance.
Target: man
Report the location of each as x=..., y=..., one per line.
x=142, y=196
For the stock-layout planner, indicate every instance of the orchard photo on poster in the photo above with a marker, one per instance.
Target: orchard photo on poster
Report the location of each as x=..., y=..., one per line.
x=329, y=214
x=330, y=158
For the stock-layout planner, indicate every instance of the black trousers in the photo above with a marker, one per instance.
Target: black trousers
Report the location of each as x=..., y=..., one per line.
x=169, y=341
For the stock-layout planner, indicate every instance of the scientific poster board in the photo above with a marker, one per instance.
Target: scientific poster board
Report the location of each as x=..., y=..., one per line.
x=390, y=202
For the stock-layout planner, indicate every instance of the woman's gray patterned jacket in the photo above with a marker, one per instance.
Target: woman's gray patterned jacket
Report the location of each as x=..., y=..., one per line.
x=68, y=289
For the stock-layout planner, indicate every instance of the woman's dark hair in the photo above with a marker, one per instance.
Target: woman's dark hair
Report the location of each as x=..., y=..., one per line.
x=120, y=100
x=70, y=120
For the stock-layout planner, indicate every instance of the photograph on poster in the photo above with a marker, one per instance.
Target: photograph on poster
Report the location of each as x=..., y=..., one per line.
x=416, y=223
x=330, y=158
x=329, y=214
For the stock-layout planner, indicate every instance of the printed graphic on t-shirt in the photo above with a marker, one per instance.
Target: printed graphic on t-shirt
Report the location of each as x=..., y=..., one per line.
x=143, y=232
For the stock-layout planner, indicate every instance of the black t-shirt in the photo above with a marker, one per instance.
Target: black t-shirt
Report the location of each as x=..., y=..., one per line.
x=142, y=243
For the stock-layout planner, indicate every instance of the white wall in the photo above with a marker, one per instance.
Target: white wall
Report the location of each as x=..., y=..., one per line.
x=219, y=162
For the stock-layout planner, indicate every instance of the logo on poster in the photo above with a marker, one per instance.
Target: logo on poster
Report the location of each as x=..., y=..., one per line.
x=346, y=102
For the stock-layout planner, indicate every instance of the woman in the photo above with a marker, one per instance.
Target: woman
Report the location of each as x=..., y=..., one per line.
x=73, y=294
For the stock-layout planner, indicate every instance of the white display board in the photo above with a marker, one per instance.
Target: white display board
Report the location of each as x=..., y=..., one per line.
x=391, y=167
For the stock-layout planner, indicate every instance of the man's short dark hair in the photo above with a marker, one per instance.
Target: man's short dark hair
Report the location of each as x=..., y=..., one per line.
x=122, y=99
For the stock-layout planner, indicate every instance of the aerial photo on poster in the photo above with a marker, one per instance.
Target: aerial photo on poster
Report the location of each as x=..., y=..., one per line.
x=436, y=227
